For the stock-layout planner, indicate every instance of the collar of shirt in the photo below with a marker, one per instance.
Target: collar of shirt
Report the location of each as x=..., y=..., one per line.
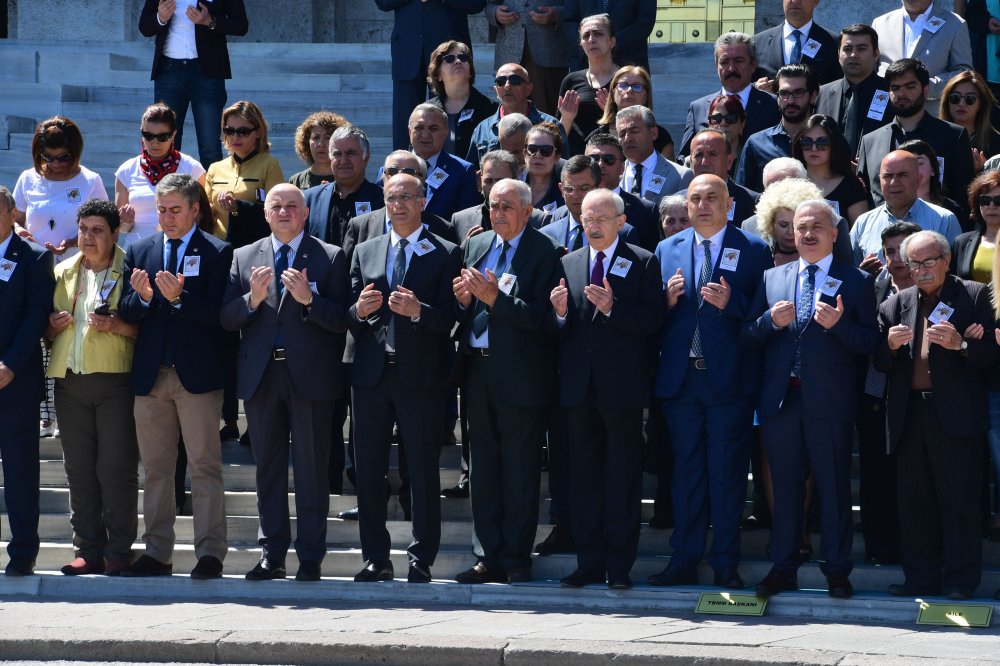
x=914, y=210
x=804, y=30
x=293, y=244
x=823, y=265
x=394, y=238
x=432, y=162
x=182, y=248
x=744, y=95
x=608, y=253
x=514, y=242
x=917, y=24
x=648, y=168
x=5, y=244
x=715, y=239
x=573, y=222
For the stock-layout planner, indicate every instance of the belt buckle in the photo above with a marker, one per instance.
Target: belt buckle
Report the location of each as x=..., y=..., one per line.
x=699, y=364
x=926, y=395
x=278, y=354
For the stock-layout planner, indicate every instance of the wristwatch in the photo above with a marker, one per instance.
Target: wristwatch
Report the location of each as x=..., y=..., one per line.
x=211, y=24
x=964, y=346
x=175, y=301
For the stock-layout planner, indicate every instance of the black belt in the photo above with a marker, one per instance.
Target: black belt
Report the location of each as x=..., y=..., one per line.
x=479, y=351
x=390, y=358
x=697, y=363
x=278, y=354
x=922, y=395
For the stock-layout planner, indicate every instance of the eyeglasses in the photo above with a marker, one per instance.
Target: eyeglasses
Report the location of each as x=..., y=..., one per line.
x=513, y=79
x=984, y=200
x=534, y=149
x=160, y=138
x=573, y=189
x=634, y=87
x=452, y=57
x=238, y=131
x=808, y=143
x=62, y=159
x=926, y=263
x=400, y=198
x=609, y=160
x=798, y=93
x=392, y=171
x=968, y=98
x=728, y=118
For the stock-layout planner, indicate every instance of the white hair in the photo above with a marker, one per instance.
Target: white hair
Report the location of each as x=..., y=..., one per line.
x=519, y=186
x=943, y=246
x=822, y=205
x=787, y=167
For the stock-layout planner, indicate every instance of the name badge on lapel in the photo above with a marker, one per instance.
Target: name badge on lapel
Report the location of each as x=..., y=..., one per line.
x=941, y=313
x=830, y=286
x=934, y=24
x=620, y=267
x=106, y=289
x=730, y=259
x=465, y=115
x=436, y=177
x=7, y=269
x=811, y=48
x=550, y=207
x=362, y=207
x=656, y=184
x=192, y=267
x=880, y=100
x=506, y=282
x=422, y=247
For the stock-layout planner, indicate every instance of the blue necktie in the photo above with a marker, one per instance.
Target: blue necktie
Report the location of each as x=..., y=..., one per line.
x=280, y=266
x=398, y=271
x=575, y=241
x=797, y=48
x=481, y=319
x=173, y=252
x=703, y=278
x=804, y=311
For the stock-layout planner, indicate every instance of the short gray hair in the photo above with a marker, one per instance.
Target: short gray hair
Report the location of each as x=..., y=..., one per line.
x=426, y=107
x=601, y=192
x=6, y=198
x=519, y=186
x=668, y=202
x=352, y=132
x=822, y=205
x=180, y=183
x=513, y=122
x=503, y=157
x=643, y=112
x=786, y=165
x=943, y=246
x=735, y=39
x=421, y=162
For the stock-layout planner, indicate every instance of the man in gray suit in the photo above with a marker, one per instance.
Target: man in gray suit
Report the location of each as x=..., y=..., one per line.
x=495, y=166
x=288, y=297
x=647, y=173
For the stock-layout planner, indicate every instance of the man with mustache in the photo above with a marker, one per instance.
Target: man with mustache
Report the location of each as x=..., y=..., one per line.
x=798, y=86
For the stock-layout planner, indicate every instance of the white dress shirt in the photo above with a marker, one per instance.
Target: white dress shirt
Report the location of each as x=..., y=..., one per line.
x=180, y=43
x=913, y=28
x=823, y=270
x=788, y=43
x=648, y=170
x=744, y=95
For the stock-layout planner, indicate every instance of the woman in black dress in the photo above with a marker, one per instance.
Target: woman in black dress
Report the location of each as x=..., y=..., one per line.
x=824, y=151
x=579, y=110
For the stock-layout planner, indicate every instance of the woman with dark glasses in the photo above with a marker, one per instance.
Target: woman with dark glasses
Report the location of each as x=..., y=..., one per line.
x=579, y=109
x=824, y=151
x=629, y=86
x=542, y=148
x=726, y=114
x=237, y=184
x=136, y=179
x=968, y=101
x=450, y=75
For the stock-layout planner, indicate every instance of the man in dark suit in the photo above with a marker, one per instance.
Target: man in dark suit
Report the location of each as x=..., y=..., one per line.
x=609, y=300
x=797, y=41
x=402, y=320
x=26, y=288
x=851, y=101
x=606, y=151
x=712, y=154
x=812, y=318
x=288, y=298
x=647, y=174
x=633, y=21
x=711, y=271
x=418, y=28
x=177, y=282
x=507, y=362
x=735, y=60
x=934, y=351
x=493, y=167
x=451, y=182
x=191, y=63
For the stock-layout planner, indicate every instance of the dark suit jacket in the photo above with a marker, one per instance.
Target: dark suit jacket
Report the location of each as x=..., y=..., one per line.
x=424, y=351
x=313, y=337
x=633, y=21
x=963, y=253
x=828, y=356
x=192, y=330
x=959, y=384
x=213, y=56
x=559, y=227
x=611, y=352
x=479, y=216
x=762, y=112
x=420, y=27
x=831, y=96
x=521, y=363
x=642, y=214
x=25, y=305
x=320, y=198
x=372, y=224
x=771, y=53
x=731, y=371
x=457, y=191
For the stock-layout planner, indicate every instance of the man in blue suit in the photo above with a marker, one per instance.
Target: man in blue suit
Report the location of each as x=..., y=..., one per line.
x=711, y=271
x=451, y=182
x=26, y=287
x=418, y=28
x=813, y=318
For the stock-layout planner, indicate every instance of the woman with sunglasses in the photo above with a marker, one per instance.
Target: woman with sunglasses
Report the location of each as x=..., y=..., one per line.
x=629, y=86
x=46, y=198
x=727, y=115
x=968, y=101
x=824, y=151
x=542, y=148
x=579, y=110
x=450, y=75
x=312, y=145
x=929, y=186
x=136, y=178
x=237, y=185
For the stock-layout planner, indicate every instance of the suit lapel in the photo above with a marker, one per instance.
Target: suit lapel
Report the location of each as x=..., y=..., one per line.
x=265, y=257
x=908, y=312
x=484, y=250
x=578, y=274
x=687, y=248
x=777, y=45
x=378, y=272
x=969, y=256
x=925, y=36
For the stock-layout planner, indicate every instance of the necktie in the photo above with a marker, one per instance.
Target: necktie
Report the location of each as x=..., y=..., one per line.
x=280, y=266
x=597, y=272
x=850, y=118
x=703, y=278
x=398, y=271
x=804, y=311
x=637, y=180
x=173, y=250
x=796, y=48
x=575, y=238
x=481, y=319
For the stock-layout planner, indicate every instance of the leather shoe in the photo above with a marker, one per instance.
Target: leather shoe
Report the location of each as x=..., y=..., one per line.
x=147, y=566
x=375, y=572
x=581, y=578
x=958, y=594
x=729, y=578
x=775, y=582
x=81, y=566
x=519, y=575
x=116, y=566
x=481, y=574
x=267, y=570
x=418, y=573
x=839, y=587
x=907, y=589
x=208, y=567
x=618, y=580
x=245, y=439
x=673, y=576
x=308, y=572
x=350, y=514
x=229, y=432
x=559, y=540
x=459, y=490
x=17, y=568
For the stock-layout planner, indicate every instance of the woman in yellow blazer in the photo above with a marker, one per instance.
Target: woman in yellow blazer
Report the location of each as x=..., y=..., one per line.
x=91, y=361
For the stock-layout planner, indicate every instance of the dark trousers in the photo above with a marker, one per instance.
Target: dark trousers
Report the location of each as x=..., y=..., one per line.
x=230, y=403
x=877, y=476
x=557, y=442
x=938, y=486
x=420, y=415
x=338, y=461
x=180, y=83
x=658, y=443
x=504, y=471
x=274, y=411
x=19, y=454
x=605, y=485
x=406, y=94
x=794, y=442
x=708, y=435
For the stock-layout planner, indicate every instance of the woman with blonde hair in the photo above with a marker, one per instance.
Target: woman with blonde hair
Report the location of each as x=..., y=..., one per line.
x=629, y=86
x=312, y=145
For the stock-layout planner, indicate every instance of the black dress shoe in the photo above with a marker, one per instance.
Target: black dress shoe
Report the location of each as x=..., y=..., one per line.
x=350, y=514
x=208, y=567
x=559, y=540
x=308, y=572
x=581, y=579
x=619, y=581
x=776, y=582
x=958, y=594
x=229, y=432
x=729, y=578
x=267, y=570
x=519, y=574
x=374, y=572
x=839, y=587
x=419, y=573
x=459, y=490
x=907, y=589
x=245, y=439
x=147, y=566
x=673, y=576
x=481, y=574
x=17, y=568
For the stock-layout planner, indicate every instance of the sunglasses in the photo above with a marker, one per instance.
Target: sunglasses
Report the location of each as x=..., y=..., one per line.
x=809, y=143
x=392, y=171
x=513, y=79
x=984, y=200
x=534, y=149
x=968, y=98
x=62, y=159
x=634, y=87
x=161, y=138
x=452, y=57
x=238, y=131
x=609, y=160
x=729, y=118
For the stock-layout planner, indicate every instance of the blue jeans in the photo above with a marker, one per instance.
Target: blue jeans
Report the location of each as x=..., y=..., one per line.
x=179, y=83
x=994, y=440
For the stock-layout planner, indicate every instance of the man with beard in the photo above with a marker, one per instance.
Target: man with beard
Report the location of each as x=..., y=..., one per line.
x=908, y=89
x=798, y=86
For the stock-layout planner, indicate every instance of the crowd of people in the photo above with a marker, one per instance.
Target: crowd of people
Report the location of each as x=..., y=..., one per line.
x=812, y=265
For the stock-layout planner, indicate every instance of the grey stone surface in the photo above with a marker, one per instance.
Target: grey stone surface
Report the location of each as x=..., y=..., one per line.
x=73, y=19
